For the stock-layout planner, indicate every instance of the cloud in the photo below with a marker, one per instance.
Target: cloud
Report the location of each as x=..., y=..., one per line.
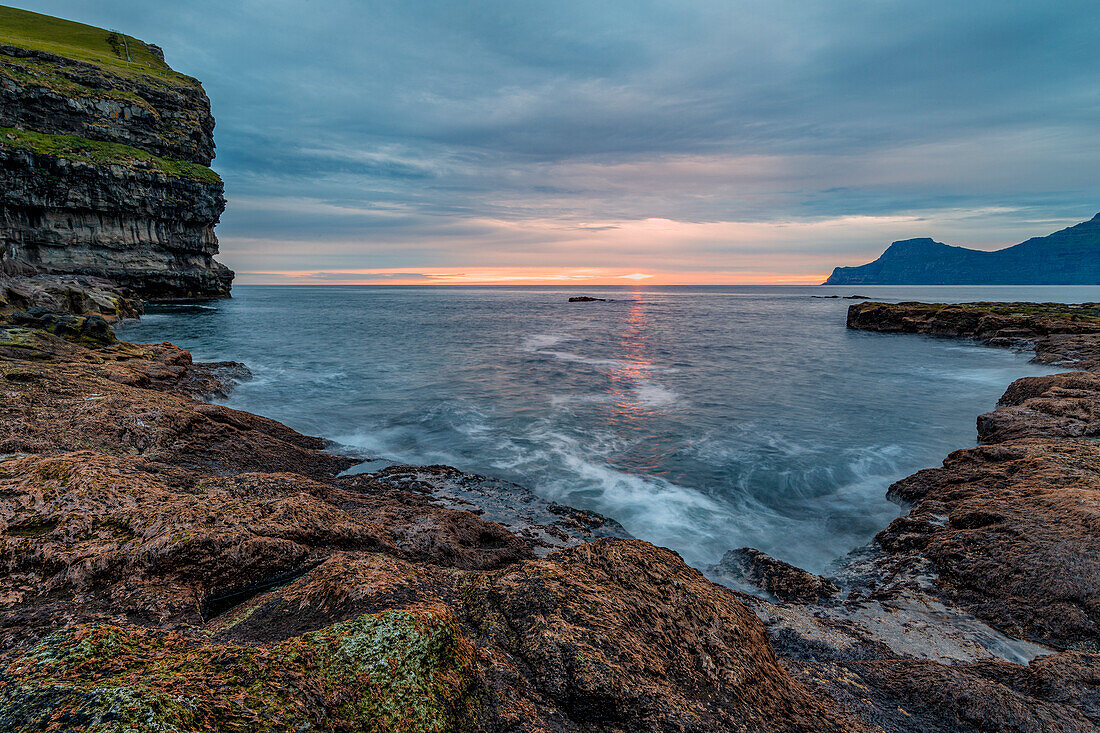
x=428, y=133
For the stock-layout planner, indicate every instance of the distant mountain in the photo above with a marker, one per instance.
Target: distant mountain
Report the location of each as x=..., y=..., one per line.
x=1068, y=257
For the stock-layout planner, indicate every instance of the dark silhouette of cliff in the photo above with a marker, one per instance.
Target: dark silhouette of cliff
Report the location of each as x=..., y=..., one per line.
x=1068, y=257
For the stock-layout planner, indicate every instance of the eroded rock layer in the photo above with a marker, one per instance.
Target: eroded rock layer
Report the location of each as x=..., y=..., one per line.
x=104, y=155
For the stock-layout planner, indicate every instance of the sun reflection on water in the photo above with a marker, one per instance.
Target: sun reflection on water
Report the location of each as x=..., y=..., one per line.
x=634, y=410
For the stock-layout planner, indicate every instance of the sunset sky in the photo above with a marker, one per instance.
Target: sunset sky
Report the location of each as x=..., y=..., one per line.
x=660, y=142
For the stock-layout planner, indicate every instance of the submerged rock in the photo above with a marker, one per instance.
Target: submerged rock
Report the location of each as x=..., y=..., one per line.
x=751, y=567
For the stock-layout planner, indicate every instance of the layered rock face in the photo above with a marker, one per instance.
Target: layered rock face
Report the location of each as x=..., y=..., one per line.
x=103, y=162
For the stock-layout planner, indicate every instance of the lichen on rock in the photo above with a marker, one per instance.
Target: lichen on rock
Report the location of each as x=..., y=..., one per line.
x=398, y=671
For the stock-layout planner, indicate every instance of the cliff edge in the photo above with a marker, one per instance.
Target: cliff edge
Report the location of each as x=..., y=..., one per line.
x=1067, y=257
x=104, y=161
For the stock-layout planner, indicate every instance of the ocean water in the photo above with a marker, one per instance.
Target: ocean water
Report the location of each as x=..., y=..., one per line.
x=701, y=418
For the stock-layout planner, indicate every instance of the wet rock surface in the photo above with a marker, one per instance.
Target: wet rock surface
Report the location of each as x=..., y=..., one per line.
x=173, y=564
x=545, y=525
x=753, y=568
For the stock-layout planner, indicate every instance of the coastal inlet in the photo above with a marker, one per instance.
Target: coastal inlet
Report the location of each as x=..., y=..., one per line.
x=702, y=419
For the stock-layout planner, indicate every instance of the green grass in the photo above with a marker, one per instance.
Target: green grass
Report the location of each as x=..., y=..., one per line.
x=104, y=48
x=28, y=71
x=72, y=147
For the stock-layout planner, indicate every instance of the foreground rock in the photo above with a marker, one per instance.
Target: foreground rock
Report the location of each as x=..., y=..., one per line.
x=153, y=544
x=176, y=565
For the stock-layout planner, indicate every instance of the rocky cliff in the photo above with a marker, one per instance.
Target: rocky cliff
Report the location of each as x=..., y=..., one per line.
x=1067, y=257
x=104, y=155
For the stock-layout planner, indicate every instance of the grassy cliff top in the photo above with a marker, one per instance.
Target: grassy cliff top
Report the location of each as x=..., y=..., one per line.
x=112, y=51
x=102, y=153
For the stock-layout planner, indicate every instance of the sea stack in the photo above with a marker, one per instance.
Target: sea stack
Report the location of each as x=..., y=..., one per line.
x=104, y=162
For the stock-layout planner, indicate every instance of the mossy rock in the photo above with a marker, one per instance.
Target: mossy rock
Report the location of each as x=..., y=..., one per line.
x=397, y=671
x=35, y=72
x=96, y=152
x=1076, y=312
x=24, y=343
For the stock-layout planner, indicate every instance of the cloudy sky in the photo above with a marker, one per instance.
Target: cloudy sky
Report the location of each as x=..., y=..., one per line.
x=687, y=140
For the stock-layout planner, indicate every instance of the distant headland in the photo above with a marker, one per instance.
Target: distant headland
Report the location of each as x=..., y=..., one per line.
x=1067, y=257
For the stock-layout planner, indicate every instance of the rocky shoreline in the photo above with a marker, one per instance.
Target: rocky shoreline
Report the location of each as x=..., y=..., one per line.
x=173, y=564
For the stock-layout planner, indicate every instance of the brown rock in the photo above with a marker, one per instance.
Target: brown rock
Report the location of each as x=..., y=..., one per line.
x=1014, y=322
x=1052, y=694
x=621, y=635
x=1012, y=530
x=1059, y=405
x=751, y=567
x=61, y=397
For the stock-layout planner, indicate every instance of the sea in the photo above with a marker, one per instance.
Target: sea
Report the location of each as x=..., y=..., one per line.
x=702, y=418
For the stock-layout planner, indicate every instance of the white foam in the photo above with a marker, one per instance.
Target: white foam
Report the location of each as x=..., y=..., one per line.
x=564, y=400
x=654, y=395
x=578, y=359
x=538, y=341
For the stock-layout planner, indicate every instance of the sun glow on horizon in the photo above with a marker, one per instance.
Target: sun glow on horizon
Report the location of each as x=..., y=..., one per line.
x=515, y=276
x=645, y=252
